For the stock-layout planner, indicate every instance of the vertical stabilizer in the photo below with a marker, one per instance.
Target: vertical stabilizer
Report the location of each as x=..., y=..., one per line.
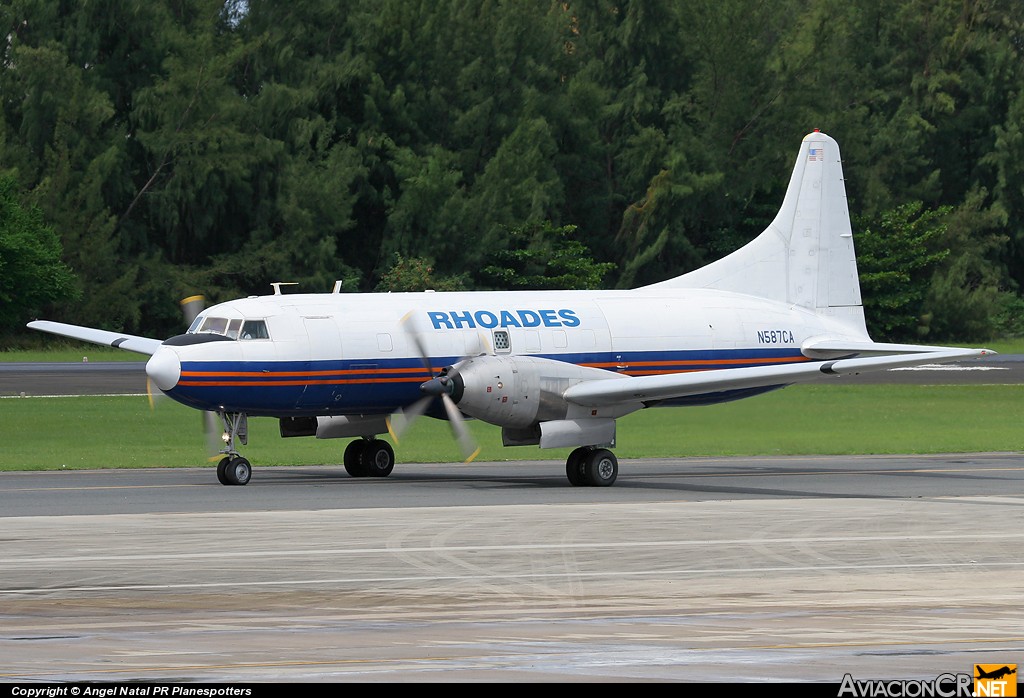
x=806, y=256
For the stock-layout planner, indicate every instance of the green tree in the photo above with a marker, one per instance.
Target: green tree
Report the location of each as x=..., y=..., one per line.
x=897, y=254
x=518, y=185
x=417, y=274
x=540, y=256
x=32, y=274
x=969, y=291
x=202, y=145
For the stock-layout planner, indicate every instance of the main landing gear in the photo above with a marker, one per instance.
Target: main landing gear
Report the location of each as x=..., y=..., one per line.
x=593, y=467
x=233, y=469
x=587, y=466
x=369, y=458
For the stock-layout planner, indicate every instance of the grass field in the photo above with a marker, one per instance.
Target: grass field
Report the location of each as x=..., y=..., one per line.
x=122, y=432
x=74, y=354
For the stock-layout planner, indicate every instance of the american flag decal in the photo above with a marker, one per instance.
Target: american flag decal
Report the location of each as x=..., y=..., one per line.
x=815, y=154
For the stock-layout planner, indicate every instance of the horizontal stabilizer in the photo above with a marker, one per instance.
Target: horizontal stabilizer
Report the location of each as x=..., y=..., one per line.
x=826, y=348
x=644, y=389
x=128, y=342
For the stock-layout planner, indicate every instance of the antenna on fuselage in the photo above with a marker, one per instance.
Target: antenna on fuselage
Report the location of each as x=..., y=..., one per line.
x=278, y=284
x=337, y=286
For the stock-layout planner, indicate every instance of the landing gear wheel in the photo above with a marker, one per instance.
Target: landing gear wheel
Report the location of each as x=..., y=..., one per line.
x=353, y=458
x=378, y=458
x=600, y=468
x=574, y=467
x=237, y=471
x=221, y=471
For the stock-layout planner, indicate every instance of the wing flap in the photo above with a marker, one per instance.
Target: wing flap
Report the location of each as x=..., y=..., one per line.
x=128, y=342
x=624, y=390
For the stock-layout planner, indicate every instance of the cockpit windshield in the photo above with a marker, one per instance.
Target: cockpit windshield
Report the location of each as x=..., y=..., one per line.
x=232, y=329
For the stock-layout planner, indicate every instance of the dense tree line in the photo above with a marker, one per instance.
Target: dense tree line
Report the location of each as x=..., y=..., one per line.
x=201, y=145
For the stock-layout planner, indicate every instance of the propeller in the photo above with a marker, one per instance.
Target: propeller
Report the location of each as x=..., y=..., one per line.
x=212, y=428
x=190, y=309
x=440, y=386
x=399, y=422
x=443, y=386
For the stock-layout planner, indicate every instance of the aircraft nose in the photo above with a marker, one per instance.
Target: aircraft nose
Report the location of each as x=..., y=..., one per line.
x=164, y=368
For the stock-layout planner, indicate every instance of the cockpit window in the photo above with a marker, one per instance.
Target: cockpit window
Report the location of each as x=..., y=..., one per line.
x=232, y=329
x=255, y=329
x=194, y=327
x=215, y=325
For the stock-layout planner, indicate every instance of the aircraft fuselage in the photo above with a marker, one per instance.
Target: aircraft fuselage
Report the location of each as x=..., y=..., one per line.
x=344, y=354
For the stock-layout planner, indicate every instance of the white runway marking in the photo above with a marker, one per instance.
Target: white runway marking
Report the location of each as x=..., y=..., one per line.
x=629, y=545
x=574, y=574
x=947, y=367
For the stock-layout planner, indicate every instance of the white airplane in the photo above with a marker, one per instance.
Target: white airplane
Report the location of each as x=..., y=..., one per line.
x=551, y=368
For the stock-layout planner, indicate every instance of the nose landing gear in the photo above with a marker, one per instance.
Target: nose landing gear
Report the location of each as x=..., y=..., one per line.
x=233, y=469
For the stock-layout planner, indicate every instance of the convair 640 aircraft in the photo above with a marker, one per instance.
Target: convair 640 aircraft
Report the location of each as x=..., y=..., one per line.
x=551, y=368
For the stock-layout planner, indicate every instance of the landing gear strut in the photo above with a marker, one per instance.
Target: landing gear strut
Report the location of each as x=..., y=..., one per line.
x=233, y=469
x=369, y=458
x=593, y=467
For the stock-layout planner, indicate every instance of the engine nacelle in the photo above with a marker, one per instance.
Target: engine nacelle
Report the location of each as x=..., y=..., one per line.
x=517, y=391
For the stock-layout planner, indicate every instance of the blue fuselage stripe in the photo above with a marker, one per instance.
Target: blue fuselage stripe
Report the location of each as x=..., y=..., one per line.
x=374, y=386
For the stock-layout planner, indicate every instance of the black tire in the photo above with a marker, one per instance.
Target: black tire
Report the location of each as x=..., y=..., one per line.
x=378, y=458
x=353, y=458
x=574, y=467
x=221, y=471
x=601, y=468
x=238, y=471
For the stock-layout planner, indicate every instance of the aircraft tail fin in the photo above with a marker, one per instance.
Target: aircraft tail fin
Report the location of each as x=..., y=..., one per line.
x=806, y=255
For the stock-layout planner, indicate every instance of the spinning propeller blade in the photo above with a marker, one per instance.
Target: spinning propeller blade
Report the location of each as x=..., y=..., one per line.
x=213, y=429
x=470, y=450
x=437, y=386
x=214, y=432
x=399, y=422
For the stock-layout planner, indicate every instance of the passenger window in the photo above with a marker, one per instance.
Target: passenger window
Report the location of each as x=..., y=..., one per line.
x=255, y=329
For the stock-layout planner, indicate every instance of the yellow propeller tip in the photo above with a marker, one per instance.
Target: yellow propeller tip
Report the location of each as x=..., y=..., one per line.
x=475, y=454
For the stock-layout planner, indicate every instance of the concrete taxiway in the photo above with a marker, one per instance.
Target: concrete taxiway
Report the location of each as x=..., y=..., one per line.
x=751, y=569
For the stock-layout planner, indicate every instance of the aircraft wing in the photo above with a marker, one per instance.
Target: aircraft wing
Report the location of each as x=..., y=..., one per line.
x=140, y=345
x=632, y=389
